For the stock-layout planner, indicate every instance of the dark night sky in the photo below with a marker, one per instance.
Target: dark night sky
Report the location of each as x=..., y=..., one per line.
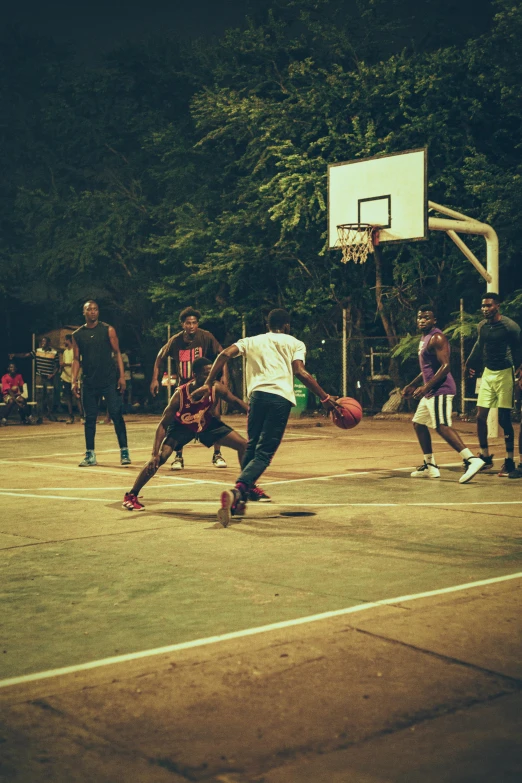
x=93, y=27
x=97, y=26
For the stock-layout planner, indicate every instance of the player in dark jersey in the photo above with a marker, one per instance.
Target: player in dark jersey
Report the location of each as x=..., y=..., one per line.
x=184, y=348
x=498, y=348
x=185, y=420
x=96, y=346
x=436, y=398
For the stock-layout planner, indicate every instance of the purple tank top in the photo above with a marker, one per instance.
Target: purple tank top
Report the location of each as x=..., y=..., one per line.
x=429, y=365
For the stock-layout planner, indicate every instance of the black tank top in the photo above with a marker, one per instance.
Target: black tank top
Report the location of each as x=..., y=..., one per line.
x=98, y=365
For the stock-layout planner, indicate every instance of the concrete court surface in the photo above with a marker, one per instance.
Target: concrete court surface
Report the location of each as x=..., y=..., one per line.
x=422, y=688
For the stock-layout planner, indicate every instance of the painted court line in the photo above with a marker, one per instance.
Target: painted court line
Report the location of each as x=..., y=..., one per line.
x=193, y=501
x=88, y=489
x=374, y=472
x=112, y=472
x=55, y=497
x=78, y=453
x=250, y=631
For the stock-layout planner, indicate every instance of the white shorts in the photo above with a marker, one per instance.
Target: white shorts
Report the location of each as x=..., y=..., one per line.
x=433, y=411
x=497, y=389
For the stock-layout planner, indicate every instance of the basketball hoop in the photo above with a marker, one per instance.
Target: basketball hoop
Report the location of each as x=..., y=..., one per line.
x=356, y=240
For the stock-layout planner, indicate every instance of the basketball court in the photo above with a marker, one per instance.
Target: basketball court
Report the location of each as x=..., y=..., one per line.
x=364, y=626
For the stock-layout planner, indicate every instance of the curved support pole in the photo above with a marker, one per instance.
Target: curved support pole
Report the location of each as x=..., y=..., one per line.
x=462, y=224
x=466, y=225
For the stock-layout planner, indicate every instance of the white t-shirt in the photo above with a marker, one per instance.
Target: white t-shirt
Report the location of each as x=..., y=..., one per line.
x=67, y=358
x=269, y=360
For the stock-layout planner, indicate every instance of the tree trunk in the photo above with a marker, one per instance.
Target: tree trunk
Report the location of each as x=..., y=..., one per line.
x=388, y=328
x=387, y=324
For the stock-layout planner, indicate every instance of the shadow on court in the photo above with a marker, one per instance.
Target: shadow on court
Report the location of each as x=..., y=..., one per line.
x=297, y=645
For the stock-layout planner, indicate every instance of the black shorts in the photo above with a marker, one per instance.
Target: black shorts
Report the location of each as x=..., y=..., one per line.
x=182, y=435
x=67, y=390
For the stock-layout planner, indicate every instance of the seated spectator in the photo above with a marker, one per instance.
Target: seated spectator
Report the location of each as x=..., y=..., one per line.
x=12, y=388
x=47, y=366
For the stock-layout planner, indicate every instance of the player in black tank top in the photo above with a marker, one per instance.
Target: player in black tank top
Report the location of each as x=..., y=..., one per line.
x=96, y=351
x=95, y=346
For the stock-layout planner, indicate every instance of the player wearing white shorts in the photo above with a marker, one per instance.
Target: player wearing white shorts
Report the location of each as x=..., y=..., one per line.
x=436, y=399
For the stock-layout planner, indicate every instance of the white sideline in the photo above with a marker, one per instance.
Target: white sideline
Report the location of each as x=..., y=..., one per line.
x=248, y=632
x=402, y=504
x=111, y=471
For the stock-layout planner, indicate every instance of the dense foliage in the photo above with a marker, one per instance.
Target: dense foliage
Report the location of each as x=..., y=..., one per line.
x=195, y=173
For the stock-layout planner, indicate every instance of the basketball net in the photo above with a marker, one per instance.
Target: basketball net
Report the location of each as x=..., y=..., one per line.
x=356, y=240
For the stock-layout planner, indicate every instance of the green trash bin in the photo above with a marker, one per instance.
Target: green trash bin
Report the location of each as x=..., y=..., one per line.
x=301, y=399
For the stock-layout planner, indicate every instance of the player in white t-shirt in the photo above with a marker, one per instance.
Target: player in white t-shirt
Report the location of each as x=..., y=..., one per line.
x=66, y=377
x=272, y=360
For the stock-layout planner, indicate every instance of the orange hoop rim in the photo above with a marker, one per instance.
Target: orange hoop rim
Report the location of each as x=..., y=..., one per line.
x=363, y=228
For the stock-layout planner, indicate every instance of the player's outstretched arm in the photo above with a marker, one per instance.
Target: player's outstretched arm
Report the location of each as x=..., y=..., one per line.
x=160, y=358
x=229, y=353
x=304, y=376
x=225, y=394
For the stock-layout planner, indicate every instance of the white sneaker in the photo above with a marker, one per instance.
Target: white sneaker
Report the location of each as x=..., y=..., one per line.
x=177, y=464
x=471, y=467
x=219, y=461
x=427, y=470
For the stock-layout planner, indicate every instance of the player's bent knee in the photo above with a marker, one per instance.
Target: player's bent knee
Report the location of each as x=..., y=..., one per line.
x=504, y=418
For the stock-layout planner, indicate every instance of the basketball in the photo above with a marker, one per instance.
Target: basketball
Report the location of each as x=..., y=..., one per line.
x=348, y=415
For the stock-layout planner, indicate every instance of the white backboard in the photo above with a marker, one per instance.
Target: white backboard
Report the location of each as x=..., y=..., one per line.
x=388, y=191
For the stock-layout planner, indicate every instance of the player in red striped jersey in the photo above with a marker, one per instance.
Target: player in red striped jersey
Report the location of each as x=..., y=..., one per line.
x=184, y=348
x=185, y=420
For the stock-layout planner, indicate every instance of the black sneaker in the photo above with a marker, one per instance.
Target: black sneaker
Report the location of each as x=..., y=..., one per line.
x=488, y=462
x=517, y=473
x=508, y=467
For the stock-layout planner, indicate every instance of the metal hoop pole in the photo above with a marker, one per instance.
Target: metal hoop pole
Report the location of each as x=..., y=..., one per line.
x=169, y=369
x=345, y=348
x=243, y=334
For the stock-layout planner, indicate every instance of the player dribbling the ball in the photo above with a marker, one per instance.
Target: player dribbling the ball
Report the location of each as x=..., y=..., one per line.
x=272, y=360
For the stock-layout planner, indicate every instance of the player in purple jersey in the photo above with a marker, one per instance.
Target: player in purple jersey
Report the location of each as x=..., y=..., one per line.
x=436, y=399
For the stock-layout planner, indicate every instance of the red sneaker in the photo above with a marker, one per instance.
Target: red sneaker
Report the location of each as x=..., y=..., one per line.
x=232, y=505
x=131, y=503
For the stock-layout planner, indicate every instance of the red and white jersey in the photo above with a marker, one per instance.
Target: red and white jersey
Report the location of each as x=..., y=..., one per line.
x=194, y=415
